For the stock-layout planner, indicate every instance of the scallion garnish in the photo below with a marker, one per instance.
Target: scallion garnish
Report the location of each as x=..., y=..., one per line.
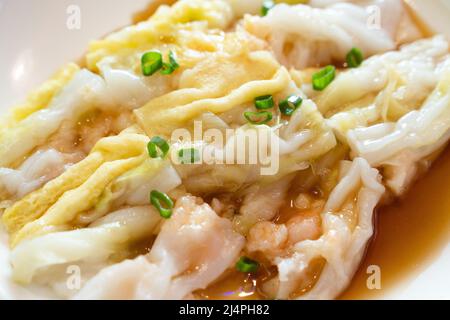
x=151, y=62
x=290, y=104
x=264, y=102
x=190, y=155
x=247, y=265
x=171, y=66
x=354, y=58
x=161, y=144
x=156, y=198
x=323, y=78
x=260, y=117
x=267, y=5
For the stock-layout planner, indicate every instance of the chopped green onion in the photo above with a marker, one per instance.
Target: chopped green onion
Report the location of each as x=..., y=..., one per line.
x=161, y=144
x=290, y=104
x=247, y=265
x=156, y=198
x=323, y=78
x=151, y=62
x=173, y=59
x=170, y=67
x=167, y=69
x=261, y=117
x=267, y=5
x=191, y=155
x=264, y=102
x=354, y=58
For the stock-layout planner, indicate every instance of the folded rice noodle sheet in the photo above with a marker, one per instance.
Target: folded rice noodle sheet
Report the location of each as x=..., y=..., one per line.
x=217, y=94
x=192, y=250
x=108, y=239
x=392, y=110
x=86, y=190
x=323, y=32
x=296, y=192
x=317, y=250
x=62, y=120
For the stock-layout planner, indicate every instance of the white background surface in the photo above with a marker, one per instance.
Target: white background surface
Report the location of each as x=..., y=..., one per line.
x=35, y=42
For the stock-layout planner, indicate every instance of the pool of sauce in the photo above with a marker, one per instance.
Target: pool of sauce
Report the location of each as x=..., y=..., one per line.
x=235, y=285
x=410, y=233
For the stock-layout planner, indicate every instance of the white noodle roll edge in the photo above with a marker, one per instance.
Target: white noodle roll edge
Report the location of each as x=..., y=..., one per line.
x=340, y=245
x=194, y=247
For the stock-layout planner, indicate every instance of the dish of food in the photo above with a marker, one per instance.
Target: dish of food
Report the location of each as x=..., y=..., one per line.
x=223, y=149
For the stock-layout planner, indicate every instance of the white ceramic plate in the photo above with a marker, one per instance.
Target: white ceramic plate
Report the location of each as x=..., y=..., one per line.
x=35, y=41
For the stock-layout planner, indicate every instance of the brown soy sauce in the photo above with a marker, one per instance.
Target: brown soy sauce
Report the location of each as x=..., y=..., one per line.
x=410, y=233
